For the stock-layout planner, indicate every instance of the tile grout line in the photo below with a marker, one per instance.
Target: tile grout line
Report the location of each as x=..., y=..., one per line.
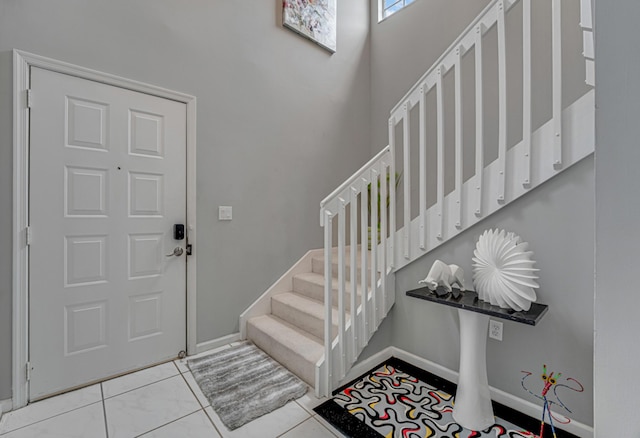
x=322, y=423
x=212, y=423
x=203, y=408
x=291, y=428
x=192, y=391
x=298, y=424
x=179, y=373
x=309, y=415
x=104, y=412
x=166, y=424
x=103, y=401
x=314, y=416
x=138, y=387
x=176, y=365
x=48, y=418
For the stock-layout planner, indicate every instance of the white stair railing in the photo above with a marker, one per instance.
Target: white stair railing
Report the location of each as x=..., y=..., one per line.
x=367, y=201
x=516, y=170
x=586, y=23
x=541, y=154
x=493, y=15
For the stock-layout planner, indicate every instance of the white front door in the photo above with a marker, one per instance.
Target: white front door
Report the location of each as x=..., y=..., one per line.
x=107, y=184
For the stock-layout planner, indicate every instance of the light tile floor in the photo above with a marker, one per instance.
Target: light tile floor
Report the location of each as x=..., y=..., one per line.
x=159, y=402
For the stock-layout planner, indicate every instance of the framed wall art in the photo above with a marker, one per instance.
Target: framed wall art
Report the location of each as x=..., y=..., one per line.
x=313, y=19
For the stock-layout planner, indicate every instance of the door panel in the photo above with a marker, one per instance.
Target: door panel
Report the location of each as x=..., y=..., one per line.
x=107, y=183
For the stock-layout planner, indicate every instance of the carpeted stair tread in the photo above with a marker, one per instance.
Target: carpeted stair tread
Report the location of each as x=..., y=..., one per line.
x=297, y=350
x=311, y=285
x=317, y=266
x=303, y=312
x=293, y=332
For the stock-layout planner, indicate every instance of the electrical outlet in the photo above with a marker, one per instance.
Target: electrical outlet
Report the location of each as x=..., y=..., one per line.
x=495, y=330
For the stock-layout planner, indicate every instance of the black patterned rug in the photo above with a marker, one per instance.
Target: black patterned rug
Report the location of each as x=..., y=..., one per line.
x=398, y=400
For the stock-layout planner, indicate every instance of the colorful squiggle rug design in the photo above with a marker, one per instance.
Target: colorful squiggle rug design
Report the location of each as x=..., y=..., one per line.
x=397, y=405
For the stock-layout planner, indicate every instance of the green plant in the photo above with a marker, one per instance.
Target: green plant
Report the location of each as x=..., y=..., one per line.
x=398, y=177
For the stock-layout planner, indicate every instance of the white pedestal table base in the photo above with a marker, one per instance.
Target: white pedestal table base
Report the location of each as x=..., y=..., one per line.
x=472, y=408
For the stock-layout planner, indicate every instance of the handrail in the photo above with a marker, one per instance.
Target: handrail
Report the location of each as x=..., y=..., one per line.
x=354, y=177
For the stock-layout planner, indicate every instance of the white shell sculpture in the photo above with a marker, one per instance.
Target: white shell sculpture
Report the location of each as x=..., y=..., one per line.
x=503, y=272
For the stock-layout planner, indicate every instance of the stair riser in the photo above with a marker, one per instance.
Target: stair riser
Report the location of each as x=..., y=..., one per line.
x=290, y=359
x=316, y=291
x=302, y=319
x=318, y=268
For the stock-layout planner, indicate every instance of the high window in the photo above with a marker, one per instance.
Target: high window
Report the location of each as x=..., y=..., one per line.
x=389, y=7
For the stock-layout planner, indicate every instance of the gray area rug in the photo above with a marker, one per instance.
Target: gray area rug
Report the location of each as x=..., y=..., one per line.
x=243, y=383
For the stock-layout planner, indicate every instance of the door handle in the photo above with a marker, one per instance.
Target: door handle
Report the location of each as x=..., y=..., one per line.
x=177, y=251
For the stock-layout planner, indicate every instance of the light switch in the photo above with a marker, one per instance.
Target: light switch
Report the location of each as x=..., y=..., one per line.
x=225, y=213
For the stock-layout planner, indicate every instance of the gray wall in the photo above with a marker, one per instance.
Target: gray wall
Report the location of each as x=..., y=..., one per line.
x=280, y=123
x=617, y=211
x=405, y=45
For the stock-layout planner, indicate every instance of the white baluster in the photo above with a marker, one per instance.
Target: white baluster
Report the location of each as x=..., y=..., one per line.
x=502, y=103
x=526, y=91
x=364, y=222
x=328, y=233
x=457, y=219
x=556, y=25
x=341, y=288
x=385, y=179
x=355, y=336
x=392, y=197
x=440, y=188
x=586, y=22
x=422, y=110
x=479, y=123
x=375, y=206
x=586, y=17
x=406, y=127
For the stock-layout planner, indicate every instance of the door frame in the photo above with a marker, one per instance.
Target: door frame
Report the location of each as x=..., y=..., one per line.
x=22, y=61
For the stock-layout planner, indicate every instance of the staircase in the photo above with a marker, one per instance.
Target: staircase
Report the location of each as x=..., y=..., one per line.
x=292, y=331
x=321, y=314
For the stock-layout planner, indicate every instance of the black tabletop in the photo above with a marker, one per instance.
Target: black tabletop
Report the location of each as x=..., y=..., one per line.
x=468, y=300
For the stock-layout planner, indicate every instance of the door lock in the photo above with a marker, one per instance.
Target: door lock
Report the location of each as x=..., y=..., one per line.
x=178, y=231
x=177, y=251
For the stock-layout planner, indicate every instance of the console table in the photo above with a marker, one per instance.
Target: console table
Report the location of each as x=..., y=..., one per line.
x=472, y=408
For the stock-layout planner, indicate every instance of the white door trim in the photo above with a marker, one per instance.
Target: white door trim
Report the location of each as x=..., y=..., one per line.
x=22, y=61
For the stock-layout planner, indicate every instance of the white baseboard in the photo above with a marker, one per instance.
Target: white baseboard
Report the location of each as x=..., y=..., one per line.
x=533, y=410
x=217, y=343
x=509, y=400
x=5, y=406
x=362, y=367
x=426, y=365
